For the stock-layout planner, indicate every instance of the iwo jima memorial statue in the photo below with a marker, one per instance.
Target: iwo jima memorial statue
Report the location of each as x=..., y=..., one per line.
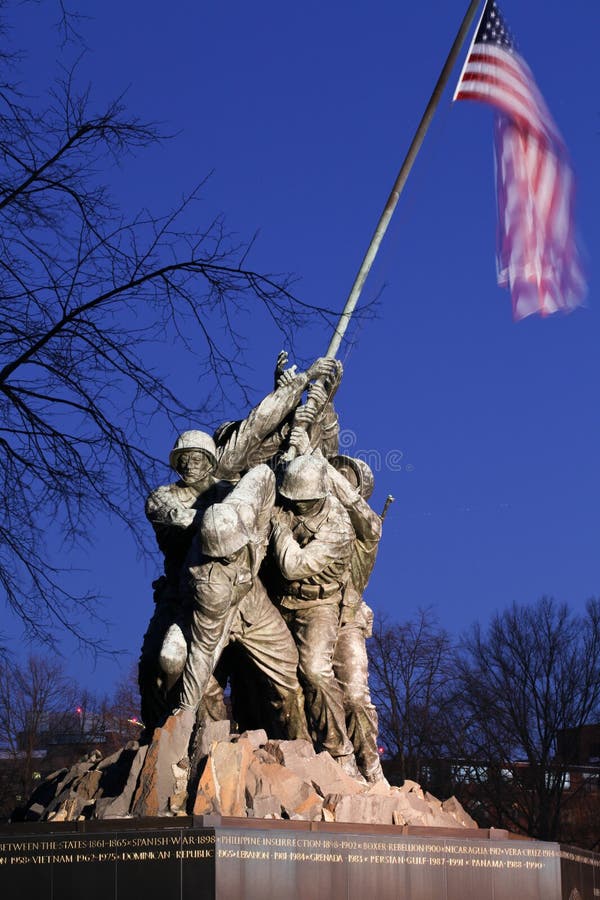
x=269, y=542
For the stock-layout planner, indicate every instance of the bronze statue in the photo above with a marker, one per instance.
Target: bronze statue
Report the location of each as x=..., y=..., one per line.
x=207, y=467
x=265, y=588
x=352, y=484
x=229, y=601
x=313, y=540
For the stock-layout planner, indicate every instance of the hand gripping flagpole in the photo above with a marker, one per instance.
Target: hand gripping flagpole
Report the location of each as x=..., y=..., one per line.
x=403, y=174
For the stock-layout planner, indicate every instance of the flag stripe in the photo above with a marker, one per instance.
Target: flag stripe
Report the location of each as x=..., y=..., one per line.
x=507, y=71
x=537, y=256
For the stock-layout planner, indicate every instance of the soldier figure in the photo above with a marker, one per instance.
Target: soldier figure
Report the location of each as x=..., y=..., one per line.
x=229, y=601
x=206, y=469
x=352, y=484
x=312, y=546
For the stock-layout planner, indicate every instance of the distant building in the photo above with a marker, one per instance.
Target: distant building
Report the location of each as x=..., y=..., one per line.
x=60, y=741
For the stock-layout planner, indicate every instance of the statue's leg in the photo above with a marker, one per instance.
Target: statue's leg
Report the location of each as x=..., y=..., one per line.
x=270, y=646
x=152, y=680
x=350, y=664
x=213, y=701
x=210, y=620
x=315, y=631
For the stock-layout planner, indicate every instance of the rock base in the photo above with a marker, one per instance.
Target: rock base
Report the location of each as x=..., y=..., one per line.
x=245, y=776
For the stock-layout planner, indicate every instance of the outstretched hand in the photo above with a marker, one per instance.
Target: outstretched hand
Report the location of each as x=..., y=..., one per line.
x=300, y=440
x=283, y=376
x=318, y=395
x=325, y=368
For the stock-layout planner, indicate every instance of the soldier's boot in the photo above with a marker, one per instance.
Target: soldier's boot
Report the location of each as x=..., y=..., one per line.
x=293, y=716
x=361, y=719
x=348, y=765
x=377, y=775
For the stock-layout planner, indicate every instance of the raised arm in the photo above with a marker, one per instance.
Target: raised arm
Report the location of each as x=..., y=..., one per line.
x=235, y=455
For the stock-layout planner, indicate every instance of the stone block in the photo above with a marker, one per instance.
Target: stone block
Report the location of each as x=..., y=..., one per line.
x=441, y=819
x=258, y=737
x=44, y=795
x=265, y=806
x=211, y=732
x=36, y=809
x=80, y=792
x=263, y=756
x=457, y=811
x=222, y=784
x=411, y=787
x=323, y=773
x=156, y=783
x=379, y=789
x=362, y=809
x=205, y=801
x=119, y=806
x=293, y=794
x=310, y=810
x=412, y=808
x=68, y=810
x=287, y=752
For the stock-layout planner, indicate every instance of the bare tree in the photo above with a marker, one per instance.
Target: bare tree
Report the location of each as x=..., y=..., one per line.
x=36, y=700
x=87, y=294
x=123, y=716
x=532, y=673
x=409, y=665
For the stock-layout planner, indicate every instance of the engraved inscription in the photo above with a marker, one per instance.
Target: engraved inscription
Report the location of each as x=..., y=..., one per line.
x=274, y=848
x=358, y=851
x=109, y=849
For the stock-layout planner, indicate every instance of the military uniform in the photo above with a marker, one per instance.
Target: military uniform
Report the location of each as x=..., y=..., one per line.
x=350, y=661
x=175, y=512
x=313, y=554
x=229, y=602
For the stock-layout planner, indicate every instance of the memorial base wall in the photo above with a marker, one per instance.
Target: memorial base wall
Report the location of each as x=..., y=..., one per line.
x=211, y=858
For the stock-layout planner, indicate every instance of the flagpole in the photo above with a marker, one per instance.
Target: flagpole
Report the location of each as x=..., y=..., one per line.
x=403, y=174
x=468, y=53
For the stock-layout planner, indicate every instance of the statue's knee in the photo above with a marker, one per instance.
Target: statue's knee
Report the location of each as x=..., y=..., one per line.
x=316, y=671
x=354, y=701
x=173, y=653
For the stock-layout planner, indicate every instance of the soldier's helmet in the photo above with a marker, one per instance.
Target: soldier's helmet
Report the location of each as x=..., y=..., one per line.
x=364, y=480
x=305, y=479
x=222, y=531
x=193, y=440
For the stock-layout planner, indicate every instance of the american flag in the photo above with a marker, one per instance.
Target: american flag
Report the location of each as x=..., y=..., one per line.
x=537, y=253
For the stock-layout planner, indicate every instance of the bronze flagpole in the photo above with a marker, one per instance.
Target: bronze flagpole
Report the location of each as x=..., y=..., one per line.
x=403, y=174
x=390, y=206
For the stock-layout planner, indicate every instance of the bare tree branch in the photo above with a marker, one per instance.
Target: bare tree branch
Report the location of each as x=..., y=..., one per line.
x=89, y=296
x=532, y=674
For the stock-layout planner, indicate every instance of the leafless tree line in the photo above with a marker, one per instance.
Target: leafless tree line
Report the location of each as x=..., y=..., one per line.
x=490, y=716
x=47, y=721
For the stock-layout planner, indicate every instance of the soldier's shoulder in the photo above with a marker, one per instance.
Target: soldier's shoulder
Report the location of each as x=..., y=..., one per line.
x=338, y=515
x=337, y=508
x=158, y=494
x=166, y=494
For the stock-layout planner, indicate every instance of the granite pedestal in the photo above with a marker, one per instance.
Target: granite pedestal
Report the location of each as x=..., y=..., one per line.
x=213, y=858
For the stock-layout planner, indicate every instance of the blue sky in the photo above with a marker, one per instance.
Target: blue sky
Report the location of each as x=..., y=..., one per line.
x=487, y=431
